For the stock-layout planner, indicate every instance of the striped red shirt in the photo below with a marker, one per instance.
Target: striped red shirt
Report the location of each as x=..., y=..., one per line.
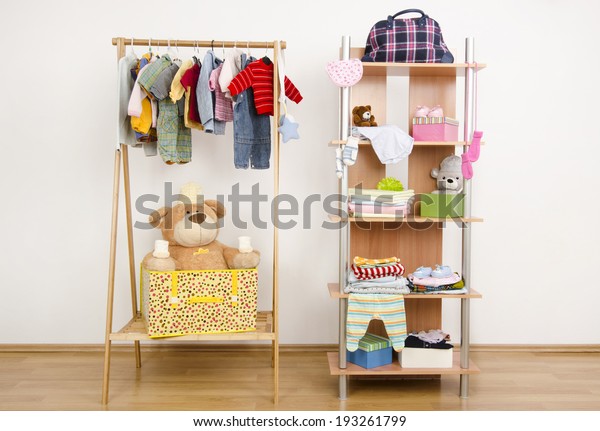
x=259, y=76
x=379, y=271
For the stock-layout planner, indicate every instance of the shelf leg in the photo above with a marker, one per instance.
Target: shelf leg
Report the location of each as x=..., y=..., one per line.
x=111, y=275
x=342, y=332
x=344, y=239
x=464, y=332
x=343, y=387
x=469, y=125
x=464, y=345
x=343, y=380
x=464, y=386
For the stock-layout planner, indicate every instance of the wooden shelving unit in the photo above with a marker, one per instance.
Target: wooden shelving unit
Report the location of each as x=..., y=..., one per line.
x=410, y=238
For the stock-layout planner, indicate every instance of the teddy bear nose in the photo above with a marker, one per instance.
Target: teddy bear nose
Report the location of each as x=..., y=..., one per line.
x=197, y=218
x=450, y=180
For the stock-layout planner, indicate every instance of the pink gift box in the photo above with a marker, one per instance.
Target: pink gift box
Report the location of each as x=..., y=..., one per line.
x=435, y=129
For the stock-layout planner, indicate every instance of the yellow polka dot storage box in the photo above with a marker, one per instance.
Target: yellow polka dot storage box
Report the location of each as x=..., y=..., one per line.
x=178, y=303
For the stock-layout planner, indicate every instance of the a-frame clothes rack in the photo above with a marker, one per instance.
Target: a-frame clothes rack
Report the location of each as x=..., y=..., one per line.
x=135, y=330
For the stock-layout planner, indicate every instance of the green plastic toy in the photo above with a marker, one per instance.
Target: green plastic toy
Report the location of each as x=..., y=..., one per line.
x=391, y=184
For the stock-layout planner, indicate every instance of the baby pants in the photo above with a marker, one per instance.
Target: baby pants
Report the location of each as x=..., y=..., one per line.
x=251, y=131
x=364, y=307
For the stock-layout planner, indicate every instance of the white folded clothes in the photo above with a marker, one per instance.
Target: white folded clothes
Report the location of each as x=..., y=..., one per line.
x=397, y=283
x=352, y=279
x=390, y=142
x=387, y=290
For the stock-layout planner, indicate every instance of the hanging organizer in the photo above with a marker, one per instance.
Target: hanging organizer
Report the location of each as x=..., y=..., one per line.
x=136, y=329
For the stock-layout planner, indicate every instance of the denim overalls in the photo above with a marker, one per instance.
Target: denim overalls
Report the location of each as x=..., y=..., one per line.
x=251, y=132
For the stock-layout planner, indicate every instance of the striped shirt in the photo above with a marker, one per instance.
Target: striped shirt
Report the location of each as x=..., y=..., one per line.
x=366, y=273
x=259, y=76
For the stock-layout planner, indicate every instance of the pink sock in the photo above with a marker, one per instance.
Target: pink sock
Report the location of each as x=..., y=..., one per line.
x=475, y=146
x=471, y=155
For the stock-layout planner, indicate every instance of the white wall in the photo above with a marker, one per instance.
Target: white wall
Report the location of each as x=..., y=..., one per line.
x=538, y=104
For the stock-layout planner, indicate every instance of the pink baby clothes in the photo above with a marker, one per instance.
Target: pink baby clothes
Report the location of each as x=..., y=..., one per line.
x=471, y=155
x=223, y=105
x=369, y=208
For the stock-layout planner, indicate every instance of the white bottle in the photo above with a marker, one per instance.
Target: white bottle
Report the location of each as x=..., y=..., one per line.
x=245, y=245
x=162, y=258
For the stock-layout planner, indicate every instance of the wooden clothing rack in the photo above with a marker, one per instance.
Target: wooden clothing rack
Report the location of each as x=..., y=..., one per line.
x=135, y=330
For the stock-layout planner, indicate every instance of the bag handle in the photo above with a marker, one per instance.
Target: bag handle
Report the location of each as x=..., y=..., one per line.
x=421, y=22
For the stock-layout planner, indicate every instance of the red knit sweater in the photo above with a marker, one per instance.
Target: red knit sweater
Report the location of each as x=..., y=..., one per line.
x=259, y=76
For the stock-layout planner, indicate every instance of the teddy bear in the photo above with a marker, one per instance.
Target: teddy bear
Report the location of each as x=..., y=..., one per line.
x=449, y=177
x=362, y=117
x=191, y=229
x=449, y=180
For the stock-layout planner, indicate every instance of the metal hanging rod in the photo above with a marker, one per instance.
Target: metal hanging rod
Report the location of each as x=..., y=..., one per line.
x=196, y=43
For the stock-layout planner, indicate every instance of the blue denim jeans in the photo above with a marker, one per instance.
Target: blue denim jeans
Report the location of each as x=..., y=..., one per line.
x=251, y=132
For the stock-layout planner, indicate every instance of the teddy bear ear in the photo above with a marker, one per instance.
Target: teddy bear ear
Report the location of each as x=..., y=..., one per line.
x=217, y=207
x=355, y=110
x=368, y=107
x=157, y=218
x=435, y=172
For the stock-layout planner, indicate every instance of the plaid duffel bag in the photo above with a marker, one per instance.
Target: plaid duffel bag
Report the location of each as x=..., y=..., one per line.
x=407, y=40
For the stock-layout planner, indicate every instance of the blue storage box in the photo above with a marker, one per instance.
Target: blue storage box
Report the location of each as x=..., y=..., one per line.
x=373, y=359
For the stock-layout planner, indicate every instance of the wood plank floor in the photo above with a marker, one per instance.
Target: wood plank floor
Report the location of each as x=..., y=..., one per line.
x=187, y=380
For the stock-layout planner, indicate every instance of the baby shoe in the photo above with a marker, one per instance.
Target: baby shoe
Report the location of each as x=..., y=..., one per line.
x=422, y=111
x=436, y=111
x=422, y=272
x=441, y=271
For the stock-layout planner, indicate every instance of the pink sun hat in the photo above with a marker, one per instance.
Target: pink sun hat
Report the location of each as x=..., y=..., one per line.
x=345, y=73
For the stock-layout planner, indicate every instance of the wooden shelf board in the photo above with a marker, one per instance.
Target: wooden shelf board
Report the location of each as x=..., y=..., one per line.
x=337, y=142
x=394, y=369
x=407, y=219
x=135, y=330
x=418, y=69
x=334, y=292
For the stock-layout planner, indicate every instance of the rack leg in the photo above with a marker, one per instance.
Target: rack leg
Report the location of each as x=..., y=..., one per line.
x=127, y=187
x=275, y=372
x=106, y=376
x=275, y=147
x=111, y=276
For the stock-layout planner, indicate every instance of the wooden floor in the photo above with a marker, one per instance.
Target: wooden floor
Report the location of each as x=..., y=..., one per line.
x=188, y=380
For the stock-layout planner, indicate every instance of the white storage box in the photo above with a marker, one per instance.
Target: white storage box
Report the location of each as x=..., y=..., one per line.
x=414, y=357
